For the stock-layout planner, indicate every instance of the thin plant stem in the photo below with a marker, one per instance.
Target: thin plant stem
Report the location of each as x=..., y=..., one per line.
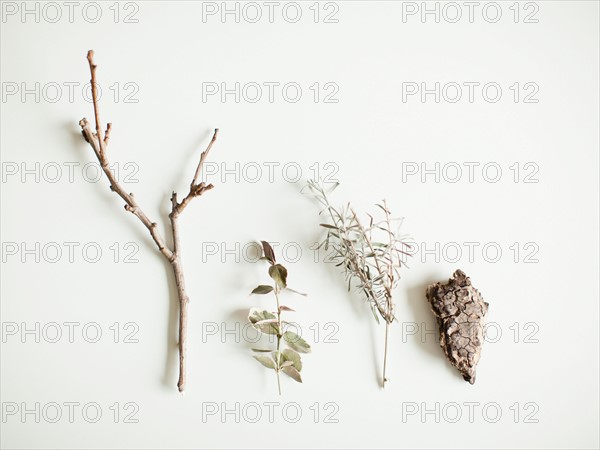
x=278, y=362
x=278, y=382
x=385, y=352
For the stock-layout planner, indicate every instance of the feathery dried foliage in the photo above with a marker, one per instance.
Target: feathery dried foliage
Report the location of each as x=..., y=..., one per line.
x=372, y=255
x=287, y=360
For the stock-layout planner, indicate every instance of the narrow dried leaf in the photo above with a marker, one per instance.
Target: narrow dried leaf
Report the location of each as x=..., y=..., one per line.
x=296, y=292
x=334, y=187
x=375, y=314
x=385, y=210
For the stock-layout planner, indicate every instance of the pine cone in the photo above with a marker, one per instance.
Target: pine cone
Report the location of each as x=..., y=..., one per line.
x=459, y=310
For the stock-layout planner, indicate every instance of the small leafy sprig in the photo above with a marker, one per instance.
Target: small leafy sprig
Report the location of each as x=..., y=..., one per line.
x=287, y=360
x=372, y=254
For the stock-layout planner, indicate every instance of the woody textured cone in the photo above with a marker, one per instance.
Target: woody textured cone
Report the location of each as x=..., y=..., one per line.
x=459, y=310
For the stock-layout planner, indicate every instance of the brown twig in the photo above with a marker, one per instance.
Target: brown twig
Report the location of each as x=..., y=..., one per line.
x=99, y=144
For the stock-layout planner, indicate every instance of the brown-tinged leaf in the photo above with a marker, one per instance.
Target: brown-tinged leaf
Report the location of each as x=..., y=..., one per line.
x=279, y=274
x=265, y=361
x=269, y=253
x=286, y=308
x=262, y=289
x=291, y=372
x=266, y=321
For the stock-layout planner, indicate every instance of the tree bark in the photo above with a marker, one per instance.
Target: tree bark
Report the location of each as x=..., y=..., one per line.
x=460, y=312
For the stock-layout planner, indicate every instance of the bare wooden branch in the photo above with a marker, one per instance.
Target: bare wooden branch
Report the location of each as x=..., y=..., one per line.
x=99, y=143
x=130, y=202
x=196, y=190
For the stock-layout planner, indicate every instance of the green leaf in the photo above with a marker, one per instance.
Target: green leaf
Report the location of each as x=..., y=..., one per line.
x=257, y=316
x=296, y=342
x=269, y=253
x=265, y=361
x=262, y=289
x=286, y=364
x=290, y=355
x=291, y=372
x=279, y=274
x=260, y=350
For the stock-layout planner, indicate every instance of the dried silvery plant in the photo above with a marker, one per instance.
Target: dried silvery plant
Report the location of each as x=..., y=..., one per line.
x=99, y=143
x=460, y=312
x=285, y=360
x=372, y=255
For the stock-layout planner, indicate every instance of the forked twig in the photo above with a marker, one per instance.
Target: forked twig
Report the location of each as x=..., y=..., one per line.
x=99, y=144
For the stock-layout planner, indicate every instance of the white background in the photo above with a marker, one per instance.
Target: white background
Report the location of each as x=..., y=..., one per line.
x=549, y=375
